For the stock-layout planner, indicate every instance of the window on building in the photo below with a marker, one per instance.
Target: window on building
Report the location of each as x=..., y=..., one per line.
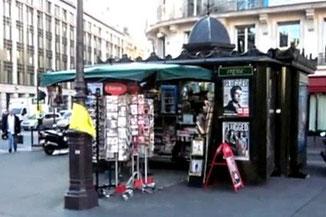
x=48, y=7
x=7, y=75
x=64, y=14
x=20, y=77
x=29, y=16
x=20, y=13
x=8, y=54
x=57, y=11
x=71, y=18
x=40, y=20
x=7, y=31
x=30, y=36
x=40, y=61
x=40, y=41
x=89, y=57
x=324, y=38
x=57, y=46
x=48, y=44
x=289, y=32
x=107, y=48
x=48, y=23
x=64, y=30
x=72, y=50
x=99, y=44
x=40, y=4
x=190, y=8
x=30, y=2
x=72, y=63
x=30, y=58
x=48, y=62
x=20, y=56
x=64, y=65
x=95, y=44
x=89, y=26
x=64, y=49
x=57, y=27
x=99, y=31
x=20, y=34
x=162, y=46
x=7, y=8
x=245, y=37
x=89, y=40
x=31, y=79
x=57, y=64
x=72, y=33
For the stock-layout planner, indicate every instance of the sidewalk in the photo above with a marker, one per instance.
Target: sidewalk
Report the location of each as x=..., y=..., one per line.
x=34, y=186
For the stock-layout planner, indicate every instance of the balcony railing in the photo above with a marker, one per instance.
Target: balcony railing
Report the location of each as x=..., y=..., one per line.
x=322, y=59
x=186, y=8
x=236, y=5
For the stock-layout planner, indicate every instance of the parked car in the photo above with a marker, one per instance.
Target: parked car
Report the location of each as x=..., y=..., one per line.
x=29, y=123
x=64, y=122
x=47, y=121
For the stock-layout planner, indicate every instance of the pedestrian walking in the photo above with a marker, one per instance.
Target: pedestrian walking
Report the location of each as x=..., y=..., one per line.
x=11, y=128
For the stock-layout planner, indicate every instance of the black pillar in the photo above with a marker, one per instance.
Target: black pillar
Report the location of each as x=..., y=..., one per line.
x=81, y=194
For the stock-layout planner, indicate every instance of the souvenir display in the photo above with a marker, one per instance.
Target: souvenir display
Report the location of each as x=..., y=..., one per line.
x=91, y=106
x=142, y=124
x=129, y=120
x=118, y=132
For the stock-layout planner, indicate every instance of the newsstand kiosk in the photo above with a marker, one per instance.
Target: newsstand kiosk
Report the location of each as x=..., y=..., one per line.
x=260, y=106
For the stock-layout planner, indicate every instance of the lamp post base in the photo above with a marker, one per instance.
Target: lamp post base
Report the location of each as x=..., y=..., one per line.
x=77, y=200
x=81, y=194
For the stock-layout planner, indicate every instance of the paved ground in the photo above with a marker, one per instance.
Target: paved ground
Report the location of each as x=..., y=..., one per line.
x=33, y=185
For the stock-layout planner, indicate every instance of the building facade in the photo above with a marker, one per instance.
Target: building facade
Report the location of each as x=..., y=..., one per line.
x=264, y=24
x=40, y=35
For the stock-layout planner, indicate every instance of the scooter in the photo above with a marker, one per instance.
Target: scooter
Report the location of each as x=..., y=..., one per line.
x=52, y=140
x=323, y=153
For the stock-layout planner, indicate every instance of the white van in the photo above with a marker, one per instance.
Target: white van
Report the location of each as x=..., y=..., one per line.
x=22, y=107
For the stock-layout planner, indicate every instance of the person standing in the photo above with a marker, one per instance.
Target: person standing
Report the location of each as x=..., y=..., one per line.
x=11, y=127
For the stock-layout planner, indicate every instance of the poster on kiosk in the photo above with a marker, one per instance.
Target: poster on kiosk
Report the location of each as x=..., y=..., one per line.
x=236, y=97
x=236, y=135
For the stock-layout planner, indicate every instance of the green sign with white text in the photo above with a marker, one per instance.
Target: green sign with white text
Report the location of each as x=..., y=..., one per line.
x=235, y=71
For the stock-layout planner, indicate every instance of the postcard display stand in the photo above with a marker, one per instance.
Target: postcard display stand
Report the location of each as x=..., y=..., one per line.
x=129, y=132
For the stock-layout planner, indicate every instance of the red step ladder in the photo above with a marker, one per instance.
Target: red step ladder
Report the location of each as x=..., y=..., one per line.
x=229, y=161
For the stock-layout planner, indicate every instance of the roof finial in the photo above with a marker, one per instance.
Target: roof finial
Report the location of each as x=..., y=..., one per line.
x=208, y=7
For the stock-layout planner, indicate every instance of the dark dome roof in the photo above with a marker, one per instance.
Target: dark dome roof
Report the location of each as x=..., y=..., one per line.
x=209, y=33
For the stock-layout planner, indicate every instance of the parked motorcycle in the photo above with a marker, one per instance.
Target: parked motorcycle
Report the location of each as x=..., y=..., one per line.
x=323, y=153
x=52, y=140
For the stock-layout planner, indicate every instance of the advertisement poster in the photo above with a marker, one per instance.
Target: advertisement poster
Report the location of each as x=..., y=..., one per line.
x=236, y=97
x=197, y=147
x=55, y=95
x=196, y=167
x=236, y=134
x=93, y=87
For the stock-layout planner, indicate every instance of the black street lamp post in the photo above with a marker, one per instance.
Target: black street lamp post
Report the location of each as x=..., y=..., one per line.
x=81, y=194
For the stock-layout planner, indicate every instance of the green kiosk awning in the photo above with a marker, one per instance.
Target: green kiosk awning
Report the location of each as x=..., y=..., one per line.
x=137, y=72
